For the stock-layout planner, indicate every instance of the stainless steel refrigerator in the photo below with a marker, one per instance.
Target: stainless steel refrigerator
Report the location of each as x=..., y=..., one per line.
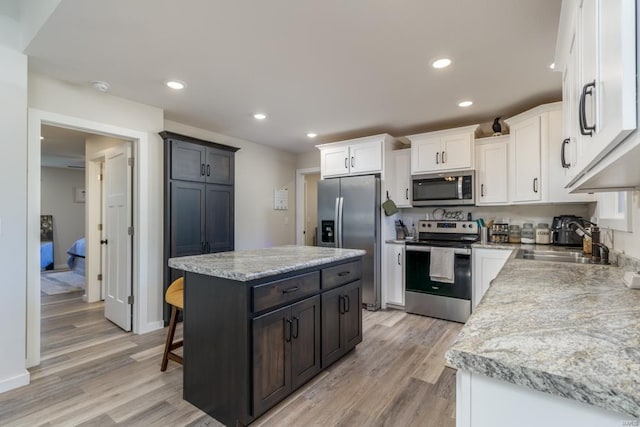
x=349, y=217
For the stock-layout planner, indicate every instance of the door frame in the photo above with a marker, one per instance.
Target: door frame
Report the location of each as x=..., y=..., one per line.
x=300, y=198
x=141, y=247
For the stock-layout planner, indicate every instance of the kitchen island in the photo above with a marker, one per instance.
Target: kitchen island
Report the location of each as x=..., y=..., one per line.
x=551, y=344
x=260, y=323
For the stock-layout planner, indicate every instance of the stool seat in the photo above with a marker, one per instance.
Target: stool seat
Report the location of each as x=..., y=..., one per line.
x=175, y=297
x=175, y=293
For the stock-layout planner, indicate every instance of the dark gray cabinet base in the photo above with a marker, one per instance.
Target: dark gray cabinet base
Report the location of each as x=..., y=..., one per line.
x=238, y=362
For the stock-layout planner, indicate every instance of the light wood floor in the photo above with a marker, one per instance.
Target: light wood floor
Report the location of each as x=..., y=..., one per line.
x=93, y=374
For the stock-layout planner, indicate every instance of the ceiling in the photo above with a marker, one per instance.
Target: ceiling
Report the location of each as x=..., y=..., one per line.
x=338, y=68
x=62, y=148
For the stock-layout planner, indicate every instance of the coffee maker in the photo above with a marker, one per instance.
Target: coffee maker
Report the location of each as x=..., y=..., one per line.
x=563, y=233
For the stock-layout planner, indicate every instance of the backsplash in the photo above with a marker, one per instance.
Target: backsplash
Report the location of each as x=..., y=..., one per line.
x=512, y=214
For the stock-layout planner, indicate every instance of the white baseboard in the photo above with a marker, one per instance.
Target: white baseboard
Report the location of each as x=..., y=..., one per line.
x=14, y=382
x=150, y=327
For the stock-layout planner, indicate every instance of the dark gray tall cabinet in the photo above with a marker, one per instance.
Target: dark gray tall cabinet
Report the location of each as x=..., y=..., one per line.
x=198, y=199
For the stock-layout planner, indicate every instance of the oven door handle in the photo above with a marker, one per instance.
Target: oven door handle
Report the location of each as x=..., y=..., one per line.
x=456, y=251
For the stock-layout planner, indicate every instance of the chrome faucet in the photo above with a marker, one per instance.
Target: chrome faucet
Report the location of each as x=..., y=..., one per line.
x=599, y=251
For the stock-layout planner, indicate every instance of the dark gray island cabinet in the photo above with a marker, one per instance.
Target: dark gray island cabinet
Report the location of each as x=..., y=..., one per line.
x=258, y=324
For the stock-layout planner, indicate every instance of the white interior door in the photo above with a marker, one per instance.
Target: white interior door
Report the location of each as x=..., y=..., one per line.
x=118, y=219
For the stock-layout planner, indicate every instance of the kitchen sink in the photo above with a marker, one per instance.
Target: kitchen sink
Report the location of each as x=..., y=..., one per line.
x=557, y=256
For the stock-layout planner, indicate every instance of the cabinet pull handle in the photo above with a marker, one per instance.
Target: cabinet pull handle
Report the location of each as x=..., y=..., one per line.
x=290, y=290
x=341, y=307
x=352, y=161
x=208, y=170
x=297, y=327
x=563, y=159
x=437, y=158
x=202, y=169
x=587, y=90
x=399, y=259
x=203, y=246
x=535, y=185
x=443, y=158
x=348, y=304
x=287, y=330
x=207, y=247
x=346, y=165
x=344, y=273
x=406, y=193
x=481, y=190
x=435, y=287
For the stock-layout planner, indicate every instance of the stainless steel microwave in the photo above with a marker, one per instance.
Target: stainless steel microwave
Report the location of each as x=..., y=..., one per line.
x=443, y=189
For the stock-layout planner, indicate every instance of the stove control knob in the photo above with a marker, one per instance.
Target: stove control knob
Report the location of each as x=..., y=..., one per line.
x=464, y=225
x=429, y=225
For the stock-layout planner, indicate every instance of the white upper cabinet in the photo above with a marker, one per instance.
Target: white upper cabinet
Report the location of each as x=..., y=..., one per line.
x=596, y=52
x=447, y=150
x=525, y=160
x=536, y=145
x=491, y=170
x=353, y=157
x=399, y=178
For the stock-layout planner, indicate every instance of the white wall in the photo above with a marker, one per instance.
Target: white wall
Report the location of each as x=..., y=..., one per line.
x=57, y=199
x=13, y=218
x=308, y=160
x=311, y=207
x=259, y=170
x=629, y=243
x=83, y=102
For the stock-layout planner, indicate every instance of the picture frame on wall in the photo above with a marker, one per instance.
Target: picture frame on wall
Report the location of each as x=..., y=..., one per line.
x=79, y=195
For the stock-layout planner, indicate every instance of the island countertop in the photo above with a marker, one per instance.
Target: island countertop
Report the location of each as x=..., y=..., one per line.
x=246, y=265
x=570, y=330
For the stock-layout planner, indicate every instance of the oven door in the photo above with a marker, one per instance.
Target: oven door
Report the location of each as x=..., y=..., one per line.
x=449, y=301
x=417, y=277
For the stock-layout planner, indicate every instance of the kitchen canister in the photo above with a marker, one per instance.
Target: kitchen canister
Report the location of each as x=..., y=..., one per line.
x=514, y=234
x=543, y=234
x=528, y=233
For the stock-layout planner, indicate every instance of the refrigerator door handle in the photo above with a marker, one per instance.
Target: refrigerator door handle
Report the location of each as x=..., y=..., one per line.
x=340, y=220
x=336, y=223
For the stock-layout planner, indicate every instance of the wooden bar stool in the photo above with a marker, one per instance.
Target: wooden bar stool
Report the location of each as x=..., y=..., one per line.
x=175, y=297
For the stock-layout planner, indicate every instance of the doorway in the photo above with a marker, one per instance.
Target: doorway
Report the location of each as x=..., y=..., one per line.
x=306, y=205
x=138, y=143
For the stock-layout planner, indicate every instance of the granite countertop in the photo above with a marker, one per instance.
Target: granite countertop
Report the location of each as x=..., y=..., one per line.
x=571, y=330
x=257, y=263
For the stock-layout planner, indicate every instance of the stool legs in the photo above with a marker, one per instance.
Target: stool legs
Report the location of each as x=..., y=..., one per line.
x=170, y=345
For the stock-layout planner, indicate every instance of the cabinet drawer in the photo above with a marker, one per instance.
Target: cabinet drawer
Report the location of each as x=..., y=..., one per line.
x=277, y=293
x=341, y=274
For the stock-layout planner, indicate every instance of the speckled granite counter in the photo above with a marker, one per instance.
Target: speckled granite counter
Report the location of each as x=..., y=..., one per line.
x=254, y=264
x=570, y=330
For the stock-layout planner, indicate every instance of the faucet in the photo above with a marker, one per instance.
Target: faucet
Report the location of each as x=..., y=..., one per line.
x=599, y=251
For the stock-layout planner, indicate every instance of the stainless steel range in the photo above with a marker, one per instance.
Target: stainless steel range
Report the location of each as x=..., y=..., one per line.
x=433, y=296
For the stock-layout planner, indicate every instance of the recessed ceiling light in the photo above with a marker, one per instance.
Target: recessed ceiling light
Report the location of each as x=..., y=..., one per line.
x=259, y=116
x=465, y=103
x=100, y=86
x=41, y=138
x=441, y=63
x=176, y=84
x=552, y=65
x=312, y=135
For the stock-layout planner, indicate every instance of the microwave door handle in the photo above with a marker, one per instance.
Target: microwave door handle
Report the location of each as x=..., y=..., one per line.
x=460, y=187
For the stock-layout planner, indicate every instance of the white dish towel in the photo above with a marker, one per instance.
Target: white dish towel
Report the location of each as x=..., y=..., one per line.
x=441, y=268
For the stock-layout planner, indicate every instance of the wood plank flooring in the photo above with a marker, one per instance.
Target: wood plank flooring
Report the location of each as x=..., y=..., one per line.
x=93, y=374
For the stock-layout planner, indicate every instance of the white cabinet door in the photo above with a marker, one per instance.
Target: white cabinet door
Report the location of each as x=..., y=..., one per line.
x=425, y=155
x=525, y=160
x=395, y=273
x=492, y=171
x=569, y=150
x=487, y=263
x=334, y=161
x=401, y=176
x=457, y=152
x=365, y=157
